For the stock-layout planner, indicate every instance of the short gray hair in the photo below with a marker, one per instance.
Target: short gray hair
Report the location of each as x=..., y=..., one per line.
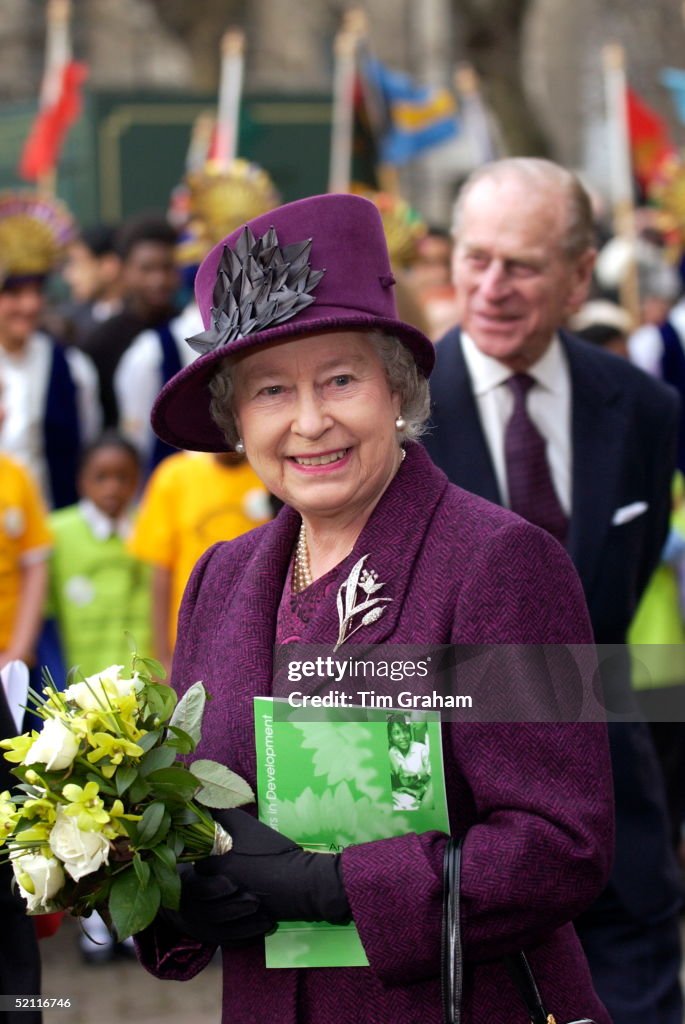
x=579, y=235
x=404, y=377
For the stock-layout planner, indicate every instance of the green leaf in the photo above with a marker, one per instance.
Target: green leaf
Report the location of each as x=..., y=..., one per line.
x=183, y=742
x=175, y=784
x=175, y=842
x=220, y=786
x=123, y=777
x=149, y=740
x=189, y=711
x=154, y=667
x=139, y=791
x=161, y=700
x=166, y=855
x=131, y=907
x=185, y=816
x=142, y=869
x=158, y=757
x=166, y=876
x=154, y=825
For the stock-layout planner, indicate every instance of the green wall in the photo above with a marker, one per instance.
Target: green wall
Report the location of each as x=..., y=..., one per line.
x=127, y=151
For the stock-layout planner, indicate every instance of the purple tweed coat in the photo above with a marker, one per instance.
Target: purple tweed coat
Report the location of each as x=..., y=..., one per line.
x=536, y=798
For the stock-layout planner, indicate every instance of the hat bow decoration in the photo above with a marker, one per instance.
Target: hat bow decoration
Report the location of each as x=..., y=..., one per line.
x=258, y=285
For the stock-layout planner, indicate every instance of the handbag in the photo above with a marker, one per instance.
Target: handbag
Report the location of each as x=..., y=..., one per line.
x=452, y=979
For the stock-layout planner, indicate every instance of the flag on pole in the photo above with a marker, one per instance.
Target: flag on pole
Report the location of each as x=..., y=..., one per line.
x=418, y=117
x=60, y=98
x=674, y=80
x=650, y=141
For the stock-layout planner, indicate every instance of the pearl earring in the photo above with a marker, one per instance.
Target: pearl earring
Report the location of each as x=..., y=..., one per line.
x=400, y=423
x=239, y=447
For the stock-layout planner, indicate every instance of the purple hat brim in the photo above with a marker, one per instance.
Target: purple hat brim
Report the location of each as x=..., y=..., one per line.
x=180, y=415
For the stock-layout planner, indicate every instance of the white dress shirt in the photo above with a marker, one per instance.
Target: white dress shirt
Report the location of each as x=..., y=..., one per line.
x=548, y=405
x=138, y=377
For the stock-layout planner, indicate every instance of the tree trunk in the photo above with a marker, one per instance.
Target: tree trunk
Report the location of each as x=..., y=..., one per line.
x=491, y=37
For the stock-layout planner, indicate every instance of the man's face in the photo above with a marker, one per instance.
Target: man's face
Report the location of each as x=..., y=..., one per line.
x=21, y=306
x=515, y=285
x=151, y=277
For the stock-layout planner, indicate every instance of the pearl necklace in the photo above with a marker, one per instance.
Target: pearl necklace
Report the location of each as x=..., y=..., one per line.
x=302, y=573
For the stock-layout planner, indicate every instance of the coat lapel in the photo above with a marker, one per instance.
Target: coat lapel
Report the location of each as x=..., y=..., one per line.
x=598, y=429
x=464, y=453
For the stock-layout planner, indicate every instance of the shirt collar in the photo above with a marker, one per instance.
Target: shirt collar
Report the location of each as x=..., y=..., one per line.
x=487, y=373
x=101, y=525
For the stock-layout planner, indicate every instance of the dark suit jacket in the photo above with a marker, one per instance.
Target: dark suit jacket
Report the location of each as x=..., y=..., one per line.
x=624, y=432
x=19, y=957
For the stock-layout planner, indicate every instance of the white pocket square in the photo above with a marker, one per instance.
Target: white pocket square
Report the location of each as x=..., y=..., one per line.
x=628, y=512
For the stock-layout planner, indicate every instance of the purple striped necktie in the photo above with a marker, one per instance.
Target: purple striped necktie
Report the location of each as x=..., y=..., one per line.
x=529, y=480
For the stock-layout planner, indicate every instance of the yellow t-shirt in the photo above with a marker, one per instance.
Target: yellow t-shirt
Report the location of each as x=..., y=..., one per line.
x=24, y=536
x=191, y=502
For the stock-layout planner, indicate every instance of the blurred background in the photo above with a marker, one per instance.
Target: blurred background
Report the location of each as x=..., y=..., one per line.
x=153, y=67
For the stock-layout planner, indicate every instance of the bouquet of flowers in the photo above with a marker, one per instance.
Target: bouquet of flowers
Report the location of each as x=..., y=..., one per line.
x=106, y=807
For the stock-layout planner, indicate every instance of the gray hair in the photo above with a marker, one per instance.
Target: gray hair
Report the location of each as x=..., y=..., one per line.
x=579, y=234
x=403, y=375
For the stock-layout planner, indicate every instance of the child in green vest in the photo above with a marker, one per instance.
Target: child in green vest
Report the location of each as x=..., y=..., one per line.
x=98, y=591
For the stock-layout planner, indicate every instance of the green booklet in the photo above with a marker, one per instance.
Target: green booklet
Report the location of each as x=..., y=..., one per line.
x=341, y=777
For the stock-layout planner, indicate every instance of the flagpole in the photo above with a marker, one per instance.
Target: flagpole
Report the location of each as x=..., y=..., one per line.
x=615, y=90
x=57, y=54
x=200, y=142
x=354, y=27
x=230, y=92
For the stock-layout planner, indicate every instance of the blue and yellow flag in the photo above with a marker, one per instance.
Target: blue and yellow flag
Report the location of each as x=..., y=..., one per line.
x=418, y=117
x=674, y=80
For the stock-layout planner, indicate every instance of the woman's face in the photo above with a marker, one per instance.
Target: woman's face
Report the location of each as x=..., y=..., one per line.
x=399, y=737
x=317, y=418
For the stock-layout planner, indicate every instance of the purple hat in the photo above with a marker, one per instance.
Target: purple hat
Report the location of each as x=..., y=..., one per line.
x=317, y=265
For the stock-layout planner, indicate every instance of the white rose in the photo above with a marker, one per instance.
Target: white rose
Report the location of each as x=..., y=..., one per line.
x=56, y=746
x=95, y=693
x=82, y=853
x=39, y=879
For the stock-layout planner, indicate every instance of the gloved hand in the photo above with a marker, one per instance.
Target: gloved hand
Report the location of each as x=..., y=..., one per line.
x=214, y=909
x=291, y=884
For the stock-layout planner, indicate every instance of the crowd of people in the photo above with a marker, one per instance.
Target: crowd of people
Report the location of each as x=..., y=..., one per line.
x=548, y=398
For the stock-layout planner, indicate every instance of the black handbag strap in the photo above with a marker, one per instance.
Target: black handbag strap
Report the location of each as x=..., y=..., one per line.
x=451, y=974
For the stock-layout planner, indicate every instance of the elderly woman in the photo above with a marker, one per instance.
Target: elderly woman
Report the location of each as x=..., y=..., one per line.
x=307, y=369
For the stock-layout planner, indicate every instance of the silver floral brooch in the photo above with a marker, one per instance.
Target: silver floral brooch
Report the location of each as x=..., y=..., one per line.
x=371, y=608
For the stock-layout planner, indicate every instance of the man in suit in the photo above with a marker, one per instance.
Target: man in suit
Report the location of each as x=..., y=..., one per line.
x=583, y=444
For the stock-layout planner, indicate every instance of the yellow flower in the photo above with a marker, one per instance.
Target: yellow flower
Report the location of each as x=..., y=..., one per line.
x=39, y=832
x=114, y=747
x=9, y=816
x=39, y=807
x=86, y=806
x=18, y=746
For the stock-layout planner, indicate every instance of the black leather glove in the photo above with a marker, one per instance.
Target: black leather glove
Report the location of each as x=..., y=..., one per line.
x=291, y=884
x=214, y=909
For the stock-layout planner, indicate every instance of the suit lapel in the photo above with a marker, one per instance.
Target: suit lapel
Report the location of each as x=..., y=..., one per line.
x=464, y=454
x=597, y=430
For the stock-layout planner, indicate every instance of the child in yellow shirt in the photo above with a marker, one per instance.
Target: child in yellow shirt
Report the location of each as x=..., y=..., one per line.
x=25, y=542
x=192, y=500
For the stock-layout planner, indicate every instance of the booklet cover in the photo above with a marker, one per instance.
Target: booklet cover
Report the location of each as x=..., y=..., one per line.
x=345, y=776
